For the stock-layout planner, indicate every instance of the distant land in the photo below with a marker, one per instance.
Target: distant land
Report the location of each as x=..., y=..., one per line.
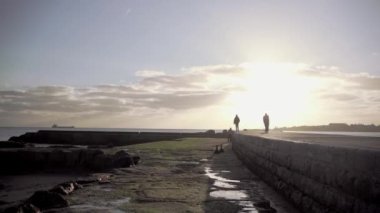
x=343, y=127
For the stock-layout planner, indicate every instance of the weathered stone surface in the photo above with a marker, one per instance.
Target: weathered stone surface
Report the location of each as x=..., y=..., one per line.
x=64, y=188
x=41, y=159
x=23, y=208
x=11, y=144
x=47, y=200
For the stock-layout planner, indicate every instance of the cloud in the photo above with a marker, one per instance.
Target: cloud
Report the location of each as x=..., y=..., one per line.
x=158, y=98
x=155, y=92
x=149, y=73
x=340, y=97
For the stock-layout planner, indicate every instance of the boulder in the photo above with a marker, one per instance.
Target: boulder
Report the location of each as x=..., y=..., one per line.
x=11, y=144
x=23, y=208
x=64, y=188
x=87, y=181
x=47, y=200
x=136, y=160
x=122, y=159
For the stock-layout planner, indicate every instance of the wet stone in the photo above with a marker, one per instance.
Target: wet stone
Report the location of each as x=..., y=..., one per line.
x=234, y=187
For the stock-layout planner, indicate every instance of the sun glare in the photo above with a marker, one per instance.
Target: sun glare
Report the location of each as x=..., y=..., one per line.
x=274, y=88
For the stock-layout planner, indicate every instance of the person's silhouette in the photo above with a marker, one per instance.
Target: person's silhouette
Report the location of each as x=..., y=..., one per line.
x=266, y=122
x=230, y=135
x=236, y=122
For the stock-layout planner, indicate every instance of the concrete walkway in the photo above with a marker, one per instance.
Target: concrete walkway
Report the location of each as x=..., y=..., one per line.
x=233, y=188
x=356, y=142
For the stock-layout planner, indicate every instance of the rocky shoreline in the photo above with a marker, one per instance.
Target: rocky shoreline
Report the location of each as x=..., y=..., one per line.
x=184, y=175
x=29, y=160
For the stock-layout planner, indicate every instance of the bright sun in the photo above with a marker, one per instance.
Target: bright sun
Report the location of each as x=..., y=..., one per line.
x=274, y=88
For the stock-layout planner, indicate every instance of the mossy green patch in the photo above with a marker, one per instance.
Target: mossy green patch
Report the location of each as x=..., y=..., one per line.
x=169, y=178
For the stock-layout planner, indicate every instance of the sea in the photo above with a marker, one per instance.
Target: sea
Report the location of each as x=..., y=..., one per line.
x=7, y=132
x=355, y=134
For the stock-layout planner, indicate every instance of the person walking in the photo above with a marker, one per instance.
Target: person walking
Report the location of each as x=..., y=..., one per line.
x=266, y=122
x=236, y=122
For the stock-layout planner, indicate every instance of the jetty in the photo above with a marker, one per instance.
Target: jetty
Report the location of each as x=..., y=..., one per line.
x=191, y=172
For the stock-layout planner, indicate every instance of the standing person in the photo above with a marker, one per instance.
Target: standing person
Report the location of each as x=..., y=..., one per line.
x=266, y=122
x=230, y=135
x=236, y=122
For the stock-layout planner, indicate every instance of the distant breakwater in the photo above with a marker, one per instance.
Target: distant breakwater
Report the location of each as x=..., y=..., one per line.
x=104, y=138
x=315, y=178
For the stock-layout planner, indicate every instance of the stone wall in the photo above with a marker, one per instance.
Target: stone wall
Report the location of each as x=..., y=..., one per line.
x=102, y=138
x=315, y=178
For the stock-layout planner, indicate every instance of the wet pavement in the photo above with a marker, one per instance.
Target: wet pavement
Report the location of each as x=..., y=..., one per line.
x=233, y=188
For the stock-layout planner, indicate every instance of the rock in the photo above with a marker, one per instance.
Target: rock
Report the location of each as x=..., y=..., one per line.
x=101, y=162
x=64, y=188
x=88, y=156
x=87, y=181
x=11, y=144
x=60, y=190
x=55, y=160
x=77, y=186
x=136, y=159
x=24, y=208
x=262, y=204
x=122, y=159
x=47, y=200
x=63, y=146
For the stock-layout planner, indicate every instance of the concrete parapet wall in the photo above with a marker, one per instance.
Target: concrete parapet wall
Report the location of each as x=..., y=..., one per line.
x=315, y=178
x=102, y=138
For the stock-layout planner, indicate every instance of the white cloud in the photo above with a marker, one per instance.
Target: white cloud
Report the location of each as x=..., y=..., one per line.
x=206, y=95
x=149, y=73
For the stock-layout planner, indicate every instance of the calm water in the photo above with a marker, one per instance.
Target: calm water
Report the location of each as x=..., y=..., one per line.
x=357, y=134
x=7, y=132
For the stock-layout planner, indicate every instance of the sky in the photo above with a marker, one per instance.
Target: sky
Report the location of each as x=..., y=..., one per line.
x=189, y=64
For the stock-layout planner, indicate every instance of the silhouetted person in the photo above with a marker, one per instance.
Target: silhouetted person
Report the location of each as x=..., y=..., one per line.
x=230, y=135
x=266, y=122
x=236, y=122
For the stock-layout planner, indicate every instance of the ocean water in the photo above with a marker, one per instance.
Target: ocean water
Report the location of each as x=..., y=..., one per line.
x=7, y=132
x=356, y=134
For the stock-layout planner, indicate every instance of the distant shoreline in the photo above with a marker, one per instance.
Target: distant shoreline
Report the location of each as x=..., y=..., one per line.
x=343, y=133
x=335, y=127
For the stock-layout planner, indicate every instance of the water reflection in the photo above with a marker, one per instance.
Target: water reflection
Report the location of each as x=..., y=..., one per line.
x=229, y=194
x=224, y=188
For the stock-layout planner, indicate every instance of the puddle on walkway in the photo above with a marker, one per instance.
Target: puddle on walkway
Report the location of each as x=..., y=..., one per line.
x=224, y=188
x=247, y=206
x=225, y=185
x=214, y=175
x=229, y=194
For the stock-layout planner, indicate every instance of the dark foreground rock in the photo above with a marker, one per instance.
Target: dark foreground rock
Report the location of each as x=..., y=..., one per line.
x=27, y=208
x=14, y=161
x=11, y=144
x=47, y=200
